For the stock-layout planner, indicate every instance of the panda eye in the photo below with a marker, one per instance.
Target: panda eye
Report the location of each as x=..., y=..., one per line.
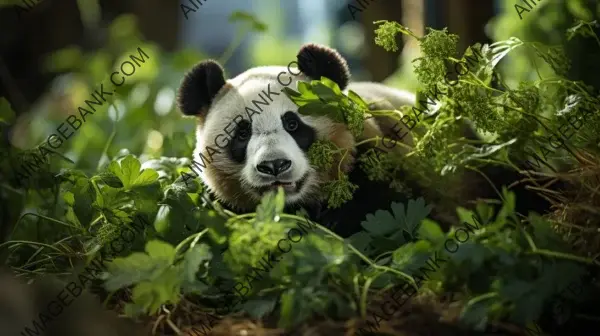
x=291, y=125
x=243, y=132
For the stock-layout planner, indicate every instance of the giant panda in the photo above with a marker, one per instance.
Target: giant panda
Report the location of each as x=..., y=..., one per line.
x=268, y=149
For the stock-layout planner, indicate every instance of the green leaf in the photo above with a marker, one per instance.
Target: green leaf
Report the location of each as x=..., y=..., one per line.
x=305, y=89
x=291, y=92
x=332, y=85
x=324, y=92
x=259, y=308
x=381, y=223
x=415, y=213
x=182, y=213
x=508, y=206
x=294, y=307
x=321, y=109
x=110, y=179
x=147, y=177
x=157, y=249
x=411, y=256
x=357, y=99
x=148, y=296
x=431, y=231
x=128, y=171
x=304, y=97
x=193, y=258
x=84, y=196
x=271, y=206
x=133, y=269
x=360, y=241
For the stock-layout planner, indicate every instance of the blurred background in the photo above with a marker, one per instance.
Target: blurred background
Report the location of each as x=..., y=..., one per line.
x=54, y=54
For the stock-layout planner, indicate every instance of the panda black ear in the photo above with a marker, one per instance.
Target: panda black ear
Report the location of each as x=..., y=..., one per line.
x=199, y=86
x=317, y=61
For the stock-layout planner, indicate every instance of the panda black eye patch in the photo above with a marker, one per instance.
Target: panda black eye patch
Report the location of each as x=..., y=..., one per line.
x=238, y=144
x=303, y=134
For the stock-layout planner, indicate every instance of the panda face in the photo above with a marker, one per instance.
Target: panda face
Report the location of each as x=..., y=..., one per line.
x=276, y=154
x=250, y=138
x=262, y=140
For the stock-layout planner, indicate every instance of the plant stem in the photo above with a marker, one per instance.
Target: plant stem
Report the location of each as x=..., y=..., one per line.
x=193, y=237
x=561, y=255
x=44, y=217
x=239, y=38
x=32, y=243
x=357, y=252
x=111, y=137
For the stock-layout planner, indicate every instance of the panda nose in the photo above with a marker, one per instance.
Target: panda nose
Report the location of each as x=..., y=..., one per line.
x=274, y=167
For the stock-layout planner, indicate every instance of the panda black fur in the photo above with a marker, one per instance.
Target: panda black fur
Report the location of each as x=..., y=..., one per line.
x=271, y=146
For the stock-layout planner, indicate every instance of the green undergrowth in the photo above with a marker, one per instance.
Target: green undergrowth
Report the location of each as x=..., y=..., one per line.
x=510, y=268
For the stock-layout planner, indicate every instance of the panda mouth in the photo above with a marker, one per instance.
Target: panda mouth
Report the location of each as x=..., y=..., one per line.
x=288, y=187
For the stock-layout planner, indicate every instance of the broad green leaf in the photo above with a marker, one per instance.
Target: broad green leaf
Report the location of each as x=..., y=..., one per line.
x=431, y=231
x=192, y=260
x=360, y=241
x=180, y=218
x=147, y=176
x=110, y=179
x=383, y=222
x=324, y=92
x=305, y=89
x=259, y=308
x=467, y=216
x=128, y=171
x=151, y=295
x=508, y=206
x=411, y=256
x=294, y=307
x=380, y=223
x=85, y=195
x=357, y=99
x=332, y=85
x=415, y=213
x=320, y=109
x=270, y=206
x=161, y=222
x=157, y=249
x=291, y=92
x=133, y=269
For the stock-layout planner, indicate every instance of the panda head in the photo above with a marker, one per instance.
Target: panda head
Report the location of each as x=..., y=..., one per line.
x=250, y=138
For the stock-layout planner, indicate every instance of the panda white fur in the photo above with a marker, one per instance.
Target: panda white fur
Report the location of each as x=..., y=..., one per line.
x=250, y=138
